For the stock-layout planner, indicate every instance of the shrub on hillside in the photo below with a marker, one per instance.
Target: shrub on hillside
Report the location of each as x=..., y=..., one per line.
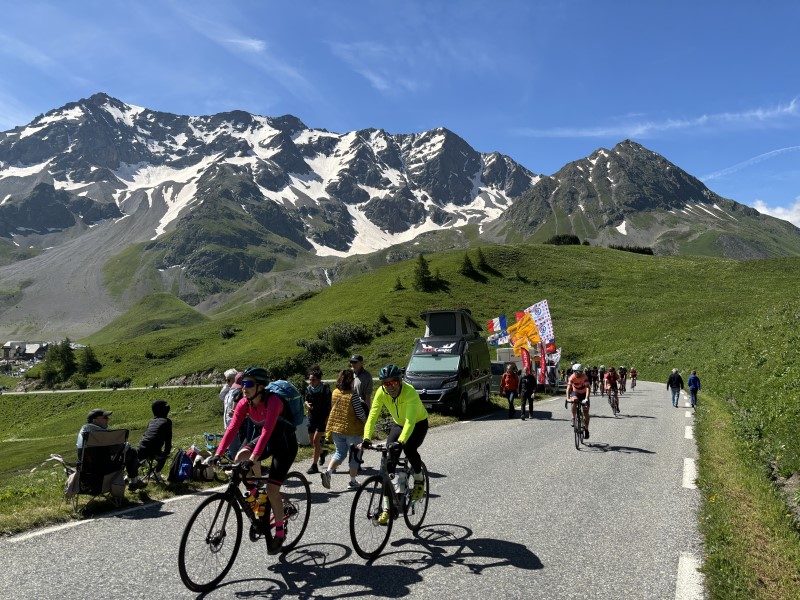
x=564, y=239
x=634, y=249
x=340, y=336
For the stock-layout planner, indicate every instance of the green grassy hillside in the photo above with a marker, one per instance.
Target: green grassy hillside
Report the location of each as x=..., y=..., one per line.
x=158, y=312
x=735, y=322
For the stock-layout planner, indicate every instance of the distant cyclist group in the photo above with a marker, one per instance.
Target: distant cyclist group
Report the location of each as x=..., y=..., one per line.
x=582, y=382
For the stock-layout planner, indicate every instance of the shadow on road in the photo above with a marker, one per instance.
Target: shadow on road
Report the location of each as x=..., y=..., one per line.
x=600, y=447
x=323, y=570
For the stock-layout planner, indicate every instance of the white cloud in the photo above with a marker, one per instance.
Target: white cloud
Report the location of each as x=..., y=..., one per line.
x=397, y=68
x=748, y=162
x=790, y=213
x=748, y=119
x=247, y=44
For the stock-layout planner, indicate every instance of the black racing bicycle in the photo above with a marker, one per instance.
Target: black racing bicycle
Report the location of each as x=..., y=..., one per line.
x=378, y=493
x=212, y=537
x=577, y=423
x=613, y=400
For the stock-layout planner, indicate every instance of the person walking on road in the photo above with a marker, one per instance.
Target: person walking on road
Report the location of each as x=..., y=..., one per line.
x=527, y=391
x=694, y=386
x=346, y=426
x=318, y=407
x=675, y=385
x=509, y=387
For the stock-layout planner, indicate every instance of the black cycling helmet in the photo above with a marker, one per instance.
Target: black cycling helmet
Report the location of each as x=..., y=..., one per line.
x=390, y=372
x=257, y=374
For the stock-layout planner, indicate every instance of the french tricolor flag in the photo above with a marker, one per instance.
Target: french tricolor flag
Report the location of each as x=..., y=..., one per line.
x=497, y=325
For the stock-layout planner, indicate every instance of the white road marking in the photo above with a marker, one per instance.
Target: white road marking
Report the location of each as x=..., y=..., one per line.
x=688, y=414
x=689, y=433
x=689, y=585
x=687, y=405
x=689, y=474
x=54, y=528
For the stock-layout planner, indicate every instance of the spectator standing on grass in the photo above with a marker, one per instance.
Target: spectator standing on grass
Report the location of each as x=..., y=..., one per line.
x=675, y=385
x=346, y=426
x=156, y=441
x=362, y=384
x=318, y=407
x=694, y=386
x=97, y=420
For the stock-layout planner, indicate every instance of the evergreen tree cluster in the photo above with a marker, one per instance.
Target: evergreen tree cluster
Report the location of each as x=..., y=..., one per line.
x=61, y=363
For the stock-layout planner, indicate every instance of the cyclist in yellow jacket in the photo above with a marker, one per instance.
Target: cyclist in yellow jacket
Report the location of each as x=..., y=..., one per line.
x=410, y=423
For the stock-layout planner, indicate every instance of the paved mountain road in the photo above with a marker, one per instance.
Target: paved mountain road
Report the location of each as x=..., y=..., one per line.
x=515, y=512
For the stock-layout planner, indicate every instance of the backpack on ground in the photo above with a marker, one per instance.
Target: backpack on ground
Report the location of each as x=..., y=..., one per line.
x=291, y=398
x=180, y=468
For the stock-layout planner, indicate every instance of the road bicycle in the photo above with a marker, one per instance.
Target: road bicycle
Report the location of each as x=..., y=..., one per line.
x=577, y=423
x=633, y=383
x=377, y=492
x=213, y=534
x=613, y=400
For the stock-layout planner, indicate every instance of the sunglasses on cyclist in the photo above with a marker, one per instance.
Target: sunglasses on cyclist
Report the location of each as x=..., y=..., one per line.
x=248, y=383
x=390, y=382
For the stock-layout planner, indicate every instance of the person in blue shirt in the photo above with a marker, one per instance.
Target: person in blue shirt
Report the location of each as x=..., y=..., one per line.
x=694, y=386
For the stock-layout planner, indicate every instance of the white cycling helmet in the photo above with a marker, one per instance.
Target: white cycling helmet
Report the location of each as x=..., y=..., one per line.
x=603, y=367
x=577, y=367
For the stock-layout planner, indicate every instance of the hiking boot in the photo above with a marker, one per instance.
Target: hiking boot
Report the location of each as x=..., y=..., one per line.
x=383, y=519
x=326, y=479
x=418, y=493
x=313, y=469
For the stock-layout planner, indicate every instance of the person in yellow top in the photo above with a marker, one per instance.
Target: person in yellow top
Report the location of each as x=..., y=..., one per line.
x=410, y=423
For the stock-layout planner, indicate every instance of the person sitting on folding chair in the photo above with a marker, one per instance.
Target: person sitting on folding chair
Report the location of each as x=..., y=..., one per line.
x=156, y=442
x=97, y=419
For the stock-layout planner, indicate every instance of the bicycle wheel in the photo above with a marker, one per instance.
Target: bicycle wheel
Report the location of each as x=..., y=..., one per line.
x=206, y=554
x=296, y=494
x=616, y=405
x=578, y=428
x=415, y=510
x=368, y=536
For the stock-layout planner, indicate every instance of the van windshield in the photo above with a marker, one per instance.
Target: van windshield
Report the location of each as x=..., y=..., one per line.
x=428, y=363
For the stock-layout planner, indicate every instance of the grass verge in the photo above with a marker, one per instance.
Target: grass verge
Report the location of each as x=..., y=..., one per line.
x=752, y=545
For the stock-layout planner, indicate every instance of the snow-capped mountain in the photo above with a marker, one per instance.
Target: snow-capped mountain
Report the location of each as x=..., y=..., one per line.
x=632, y=196
x=341, y=194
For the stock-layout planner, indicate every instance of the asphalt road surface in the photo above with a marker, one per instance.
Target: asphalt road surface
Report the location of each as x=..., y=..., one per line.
x=515, y=512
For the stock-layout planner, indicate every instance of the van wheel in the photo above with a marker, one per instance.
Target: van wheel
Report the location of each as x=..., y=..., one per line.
x=463, y=406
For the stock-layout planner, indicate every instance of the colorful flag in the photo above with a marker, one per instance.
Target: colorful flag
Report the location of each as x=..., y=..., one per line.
x=542, y=363
x=541, y=316
x=496, y=325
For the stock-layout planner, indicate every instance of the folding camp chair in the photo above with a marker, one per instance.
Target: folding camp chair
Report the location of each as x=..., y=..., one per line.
x=101, y=466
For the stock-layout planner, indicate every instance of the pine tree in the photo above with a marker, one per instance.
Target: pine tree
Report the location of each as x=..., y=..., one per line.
x=87, y=361
x=467, y=268
x=68, y=367
x=423, y=281
x=482, y=264
x=398, y=285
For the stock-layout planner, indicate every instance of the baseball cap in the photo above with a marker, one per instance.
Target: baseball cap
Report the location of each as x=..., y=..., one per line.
x=356, y=358
x=97, y=412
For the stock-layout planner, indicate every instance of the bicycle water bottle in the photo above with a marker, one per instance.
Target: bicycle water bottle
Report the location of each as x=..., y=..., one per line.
x=262, y=503
x=252, y=499
x=400, y=481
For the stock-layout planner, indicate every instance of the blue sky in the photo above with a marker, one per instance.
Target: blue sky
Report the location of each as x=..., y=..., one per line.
x=712, y=86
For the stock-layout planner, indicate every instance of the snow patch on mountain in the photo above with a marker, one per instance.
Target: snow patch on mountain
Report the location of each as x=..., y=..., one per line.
x=126, y=115
x=621, y=228
x=24, y=171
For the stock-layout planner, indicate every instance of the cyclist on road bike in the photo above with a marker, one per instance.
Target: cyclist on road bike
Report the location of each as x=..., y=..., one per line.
x=634, y=374
x=623, y=378
x=408, y=430
x=612, y=383
x=275, y=435
x=578, y=391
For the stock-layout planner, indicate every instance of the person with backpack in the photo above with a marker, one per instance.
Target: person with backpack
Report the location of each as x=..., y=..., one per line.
x=156, y=441
x=694, y=386
x=318, y=406
x=276, y=419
